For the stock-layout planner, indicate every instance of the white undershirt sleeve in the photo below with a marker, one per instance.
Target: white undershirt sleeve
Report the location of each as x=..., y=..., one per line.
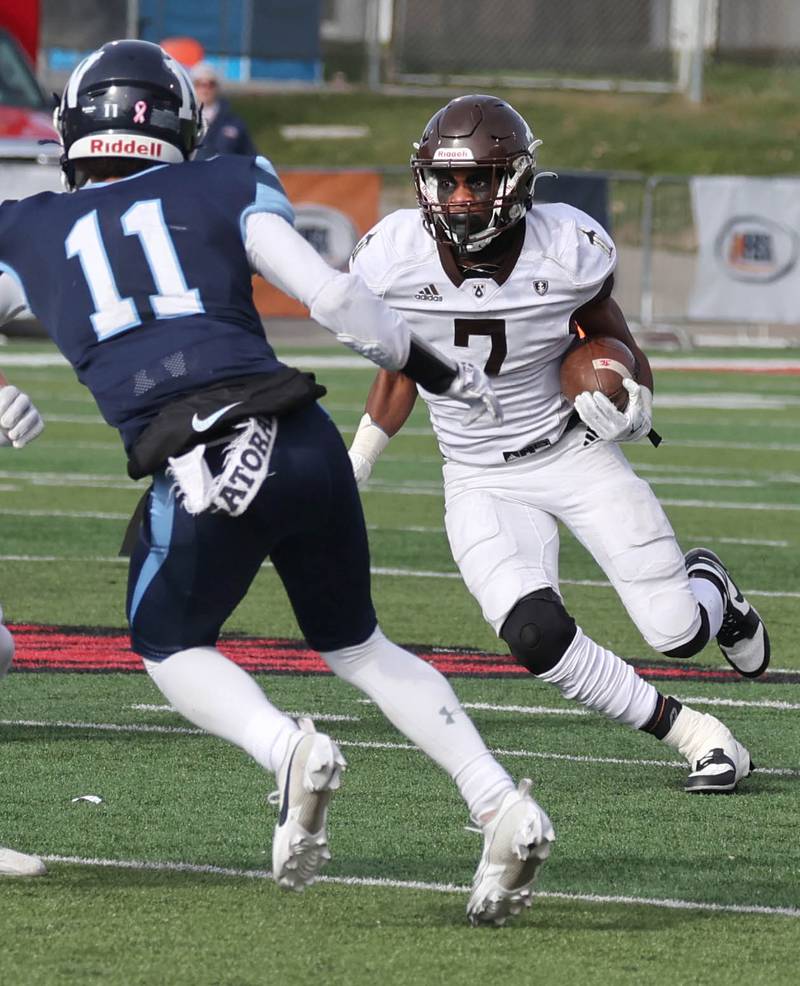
x=12, y=299
x=341, y=303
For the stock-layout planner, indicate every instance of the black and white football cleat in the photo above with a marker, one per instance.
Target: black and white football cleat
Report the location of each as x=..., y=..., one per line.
x=742, y=638
x=718, y=771
x=718, y=761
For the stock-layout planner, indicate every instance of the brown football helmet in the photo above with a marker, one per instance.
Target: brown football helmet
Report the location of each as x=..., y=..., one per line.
x=474, y=132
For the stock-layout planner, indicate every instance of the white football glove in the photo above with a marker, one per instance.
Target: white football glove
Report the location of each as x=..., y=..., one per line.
x=611, y=424
x=369, y=441
x=472, y=387
x=20, y=422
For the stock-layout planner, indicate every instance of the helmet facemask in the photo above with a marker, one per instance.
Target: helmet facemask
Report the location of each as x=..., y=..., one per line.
x=469, y=226
x=470, y=133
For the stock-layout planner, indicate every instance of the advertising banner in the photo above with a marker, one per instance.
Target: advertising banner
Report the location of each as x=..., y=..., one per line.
x=333, y=210
x=748, y=233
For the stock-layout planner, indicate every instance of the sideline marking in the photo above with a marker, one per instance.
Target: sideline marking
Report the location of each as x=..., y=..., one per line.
x=444, y=888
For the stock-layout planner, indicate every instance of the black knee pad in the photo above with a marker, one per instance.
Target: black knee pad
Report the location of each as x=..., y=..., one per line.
x=696, y=644
x=538, y=630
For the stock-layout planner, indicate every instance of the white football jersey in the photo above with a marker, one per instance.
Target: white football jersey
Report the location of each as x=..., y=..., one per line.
x=517, y=329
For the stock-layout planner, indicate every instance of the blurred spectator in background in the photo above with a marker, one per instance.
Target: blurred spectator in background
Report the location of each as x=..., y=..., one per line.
x=226, y=133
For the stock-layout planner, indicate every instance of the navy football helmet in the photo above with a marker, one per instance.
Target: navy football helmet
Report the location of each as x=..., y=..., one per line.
x=128, y=99
x=475, y=132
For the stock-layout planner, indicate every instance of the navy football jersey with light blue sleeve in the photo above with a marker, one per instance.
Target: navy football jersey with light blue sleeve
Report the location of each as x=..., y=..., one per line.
x=144, y=283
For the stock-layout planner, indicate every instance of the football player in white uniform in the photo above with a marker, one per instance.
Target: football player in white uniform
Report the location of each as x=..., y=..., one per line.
x=20, y=423
x=479, y=269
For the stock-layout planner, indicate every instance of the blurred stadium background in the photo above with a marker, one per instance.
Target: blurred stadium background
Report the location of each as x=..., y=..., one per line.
x=331, y=87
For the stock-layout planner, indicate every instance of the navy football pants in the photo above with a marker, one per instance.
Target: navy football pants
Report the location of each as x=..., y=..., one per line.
x=188, y=573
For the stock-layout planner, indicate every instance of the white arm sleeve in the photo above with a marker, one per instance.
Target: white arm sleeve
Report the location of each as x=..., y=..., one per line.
x=341, y=303
x=12, y=299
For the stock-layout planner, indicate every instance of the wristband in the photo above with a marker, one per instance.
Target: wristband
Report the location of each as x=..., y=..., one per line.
x=370, y=440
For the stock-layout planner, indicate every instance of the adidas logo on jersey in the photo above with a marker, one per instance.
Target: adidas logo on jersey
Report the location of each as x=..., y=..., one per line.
x=589, y=438
x=429, y=293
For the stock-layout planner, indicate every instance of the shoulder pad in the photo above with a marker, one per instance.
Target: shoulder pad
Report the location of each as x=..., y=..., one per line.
x=579, y=244
x=391, y=241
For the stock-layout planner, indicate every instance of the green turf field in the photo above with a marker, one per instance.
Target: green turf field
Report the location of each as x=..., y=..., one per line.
x=166, y=880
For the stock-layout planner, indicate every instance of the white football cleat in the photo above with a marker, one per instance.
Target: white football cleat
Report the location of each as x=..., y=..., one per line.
x=13, y=863
x=718, y=760
x=742, y=638
x=311, y=771
x=517, y=841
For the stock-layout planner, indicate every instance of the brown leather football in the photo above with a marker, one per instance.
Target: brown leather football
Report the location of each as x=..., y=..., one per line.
x=598, y=363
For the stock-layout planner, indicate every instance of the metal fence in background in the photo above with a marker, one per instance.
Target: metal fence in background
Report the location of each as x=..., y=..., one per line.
x=81, y=25
x=606, y=43
x=644, y=45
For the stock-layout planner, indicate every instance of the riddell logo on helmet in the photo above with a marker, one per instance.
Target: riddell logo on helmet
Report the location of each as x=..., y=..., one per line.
x=453, y=154
x=142, y=148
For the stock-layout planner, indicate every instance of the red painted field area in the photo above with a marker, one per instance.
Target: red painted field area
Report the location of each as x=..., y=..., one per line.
x=49, y=648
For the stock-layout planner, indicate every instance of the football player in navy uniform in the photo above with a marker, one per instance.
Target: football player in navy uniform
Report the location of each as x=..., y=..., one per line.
x=480, y=269
x=20, y=423
x=142, y=277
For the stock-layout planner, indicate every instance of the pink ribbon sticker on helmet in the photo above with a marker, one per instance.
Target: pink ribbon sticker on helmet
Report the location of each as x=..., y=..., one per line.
x=140, y=109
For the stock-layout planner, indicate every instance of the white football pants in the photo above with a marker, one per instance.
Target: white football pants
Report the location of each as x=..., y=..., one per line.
x=502, y=525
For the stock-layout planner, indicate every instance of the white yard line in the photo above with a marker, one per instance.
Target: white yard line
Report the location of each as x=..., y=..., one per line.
x=536, y=710
x=339, y=359
x=668, y=442
x=316, y=716
x=740, y=703
x=163, y=866
x=375, y=570
x=401, y=529
x=64, y=514
x=115, y=727
x=434, y=489
x=75, y=419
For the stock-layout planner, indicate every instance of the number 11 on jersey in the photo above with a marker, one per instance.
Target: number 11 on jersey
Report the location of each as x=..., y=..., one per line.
x=113, y=313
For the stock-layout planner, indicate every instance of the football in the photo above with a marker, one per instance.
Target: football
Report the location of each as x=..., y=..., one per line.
x=598, y=363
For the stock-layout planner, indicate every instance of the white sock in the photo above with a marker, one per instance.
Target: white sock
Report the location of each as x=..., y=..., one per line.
x=694, y=733
x=603, y=682
x=710, y=598
x=218, y=696
x=419, y=702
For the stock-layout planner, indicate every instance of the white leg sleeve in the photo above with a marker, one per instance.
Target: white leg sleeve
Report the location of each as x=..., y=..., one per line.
x=603, y=682
x=419, y=702
x=6, y=649
x=218, y=696
x=710, y=598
